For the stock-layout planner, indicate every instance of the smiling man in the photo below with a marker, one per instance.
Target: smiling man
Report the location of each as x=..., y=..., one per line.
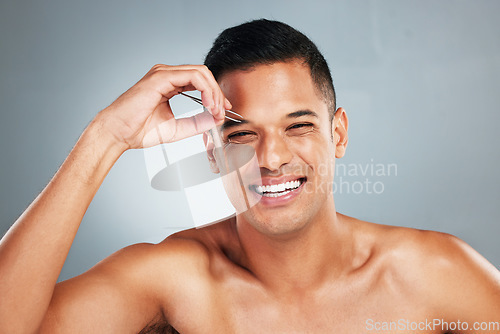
x=289, y=264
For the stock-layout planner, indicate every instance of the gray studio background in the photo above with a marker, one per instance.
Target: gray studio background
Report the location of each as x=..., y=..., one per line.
x=419, y=80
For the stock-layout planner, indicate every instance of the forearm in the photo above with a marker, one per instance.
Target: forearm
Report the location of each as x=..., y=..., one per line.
x=33, y=251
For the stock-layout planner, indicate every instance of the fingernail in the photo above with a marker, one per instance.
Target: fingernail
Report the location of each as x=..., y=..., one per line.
x=229, y=103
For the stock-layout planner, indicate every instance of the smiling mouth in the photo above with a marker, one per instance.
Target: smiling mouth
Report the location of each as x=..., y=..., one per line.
x=277, y=190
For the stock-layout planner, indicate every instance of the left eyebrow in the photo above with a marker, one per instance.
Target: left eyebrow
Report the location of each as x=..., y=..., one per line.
x=301, y=113
x=231, y=124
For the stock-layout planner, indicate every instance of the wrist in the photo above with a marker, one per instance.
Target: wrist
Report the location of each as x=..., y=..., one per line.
x=100, y=131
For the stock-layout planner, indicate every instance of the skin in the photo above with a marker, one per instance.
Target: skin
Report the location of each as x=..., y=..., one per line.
x=293, y=267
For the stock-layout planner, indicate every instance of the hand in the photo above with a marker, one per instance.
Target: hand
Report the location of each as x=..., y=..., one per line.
x=142, y=117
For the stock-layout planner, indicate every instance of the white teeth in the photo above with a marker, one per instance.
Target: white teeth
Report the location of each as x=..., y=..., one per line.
x=275, y=194
x=276, y=190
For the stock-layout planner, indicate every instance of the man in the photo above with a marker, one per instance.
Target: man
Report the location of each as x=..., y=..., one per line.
x=289, y=264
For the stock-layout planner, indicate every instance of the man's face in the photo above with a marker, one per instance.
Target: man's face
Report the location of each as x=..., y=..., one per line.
x=288, y=125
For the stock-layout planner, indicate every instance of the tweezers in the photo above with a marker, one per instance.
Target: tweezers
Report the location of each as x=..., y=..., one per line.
x=197, y=100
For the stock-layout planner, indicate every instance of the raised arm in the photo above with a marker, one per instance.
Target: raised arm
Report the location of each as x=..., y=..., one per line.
x=33, y=251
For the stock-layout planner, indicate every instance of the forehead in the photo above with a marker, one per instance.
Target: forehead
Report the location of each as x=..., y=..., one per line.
x=285, y=86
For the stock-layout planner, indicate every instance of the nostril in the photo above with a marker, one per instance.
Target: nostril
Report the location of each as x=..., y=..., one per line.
x=274, y=156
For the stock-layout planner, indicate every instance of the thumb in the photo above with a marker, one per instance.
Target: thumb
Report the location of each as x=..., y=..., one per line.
x=194, y=125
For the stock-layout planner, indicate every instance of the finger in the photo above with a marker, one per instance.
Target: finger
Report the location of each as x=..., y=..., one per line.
x=215, y=91
x=227, y=104
x=160, y=75
x=218, y=96
x=170, y=82
x=203, y=70
x=191, y=126
x=160, y=128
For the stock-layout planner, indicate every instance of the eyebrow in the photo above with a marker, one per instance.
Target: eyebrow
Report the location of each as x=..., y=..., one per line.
x=228, y=124
x=231, y=124
x=301, y=113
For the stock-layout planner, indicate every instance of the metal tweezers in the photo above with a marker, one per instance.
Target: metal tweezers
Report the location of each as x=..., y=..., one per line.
x=197, y=100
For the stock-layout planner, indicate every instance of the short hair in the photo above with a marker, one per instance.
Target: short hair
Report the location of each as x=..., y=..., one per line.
x=264, y=42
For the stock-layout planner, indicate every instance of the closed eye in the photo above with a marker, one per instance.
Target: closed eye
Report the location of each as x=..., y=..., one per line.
x=238, y=134
x=300, y=125
x=300, y=128
x=240, y=137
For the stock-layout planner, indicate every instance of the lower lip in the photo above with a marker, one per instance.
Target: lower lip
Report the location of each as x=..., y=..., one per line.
x=281, y=200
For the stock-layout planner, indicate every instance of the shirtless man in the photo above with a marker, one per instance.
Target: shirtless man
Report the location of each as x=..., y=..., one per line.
x=290, y=264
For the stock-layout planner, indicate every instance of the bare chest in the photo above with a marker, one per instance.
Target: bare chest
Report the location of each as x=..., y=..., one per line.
x=335, y=313
x=248, y=309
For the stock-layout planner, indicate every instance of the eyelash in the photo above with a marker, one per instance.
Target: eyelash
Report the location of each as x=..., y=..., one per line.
x=238, y=134
x=245, y=133
x=300, y=125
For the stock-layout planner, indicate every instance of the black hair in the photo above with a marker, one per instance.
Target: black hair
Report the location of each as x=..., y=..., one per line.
x=263, y=42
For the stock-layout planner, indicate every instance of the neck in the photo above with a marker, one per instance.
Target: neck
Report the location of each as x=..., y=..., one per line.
x=299, y=260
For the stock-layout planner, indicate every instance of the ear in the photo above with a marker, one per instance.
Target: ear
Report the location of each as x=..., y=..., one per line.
x=210, y=147
x=339, y=132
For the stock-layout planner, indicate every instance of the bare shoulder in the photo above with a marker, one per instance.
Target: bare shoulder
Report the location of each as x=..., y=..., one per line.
x=132, y=262
x=437, y=269
x=135, y=286
x=191, y=249
x=210, y=239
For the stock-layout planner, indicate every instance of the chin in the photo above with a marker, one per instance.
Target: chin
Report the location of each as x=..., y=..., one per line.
x=290, y=218
x=276, y=225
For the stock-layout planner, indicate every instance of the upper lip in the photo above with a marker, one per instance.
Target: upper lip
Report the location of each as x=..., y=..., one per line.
x=269, y=181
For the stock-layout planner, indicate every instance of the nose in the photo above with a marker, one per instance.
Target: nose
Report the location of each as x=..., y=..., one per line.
x=273, y=152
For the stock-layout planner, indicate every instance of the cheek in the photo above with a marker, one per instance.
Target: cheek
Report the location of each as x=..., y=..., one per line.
x=318, y=154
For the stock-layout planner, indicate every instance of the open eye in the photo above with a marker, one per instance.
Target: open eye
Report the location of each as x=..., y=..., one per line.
x=300, y=128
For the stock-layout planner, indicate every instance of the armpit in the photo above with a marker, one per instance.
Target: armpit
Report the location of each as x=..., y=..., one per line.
x=158, y=327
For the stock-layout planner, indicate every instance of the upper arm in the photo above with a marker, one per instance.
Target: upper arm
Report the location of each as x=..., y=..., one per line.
x=131, y=288
x=116, y=295
x=462, y=283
